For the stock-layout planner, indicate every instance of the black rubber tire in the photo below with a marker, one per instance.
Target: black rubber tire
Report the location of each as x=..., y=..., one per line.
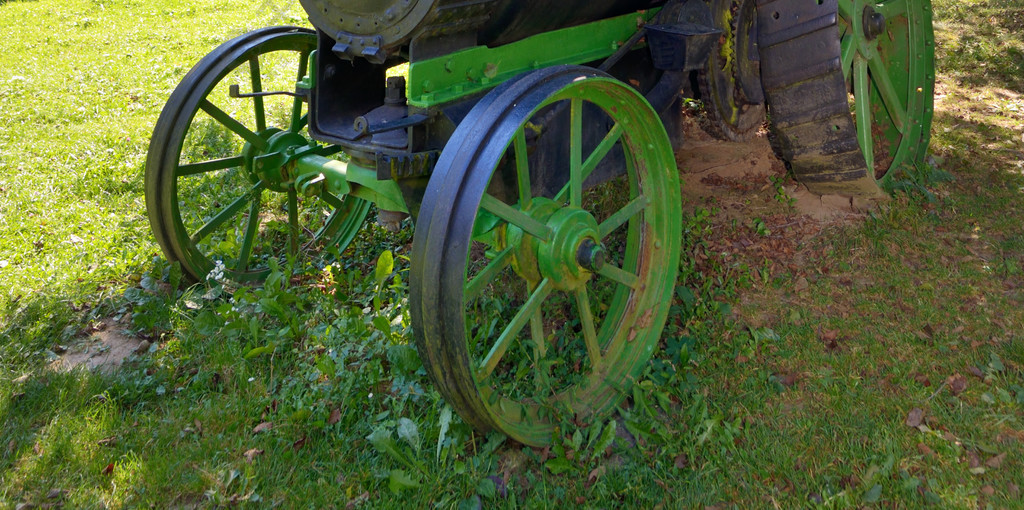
x=807, y=96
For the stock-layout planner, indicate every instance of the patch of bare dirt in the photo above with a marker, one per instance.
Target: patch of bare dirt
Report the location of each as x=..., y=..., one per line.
x=104, y=349
x=744, y=180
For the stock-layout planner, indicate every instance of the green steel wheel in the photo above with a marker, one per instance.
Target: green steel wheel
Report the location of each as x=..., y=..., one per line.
x=529, y=308
x=730, y=83
x=888, y=54
x=208, y=204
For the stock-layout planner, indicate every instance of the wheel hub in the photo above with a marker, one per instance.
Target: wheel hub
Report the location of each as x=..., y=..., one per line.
x=874, y=23
x=270, y=166
x=569, y=259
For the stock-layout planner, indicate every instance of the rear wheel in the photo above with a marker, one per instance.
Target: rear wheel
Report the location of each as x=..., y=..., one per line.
x=849, y=85
x=730, y=83
x=529, y=306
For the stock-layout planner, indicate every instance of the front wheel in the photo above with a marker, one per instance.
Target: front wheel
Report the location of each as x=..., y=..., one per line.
x=209, y=204
x=532, y=306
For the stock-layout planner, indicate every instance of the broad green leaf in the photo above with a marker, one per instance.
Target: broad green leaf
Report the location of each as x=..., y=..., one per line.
x=399, y=481
x=409, y=432
x=444, y=422
x=486, y=488
x=259, y=351
x=326, y=365
x=607, y=438
x=385, y=265
x=558, y=465
x=382, y=324
x=873, y=494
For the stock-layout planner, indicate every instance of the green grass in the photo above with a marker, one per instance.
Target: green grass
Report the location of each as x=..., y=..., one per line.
x=762, y=396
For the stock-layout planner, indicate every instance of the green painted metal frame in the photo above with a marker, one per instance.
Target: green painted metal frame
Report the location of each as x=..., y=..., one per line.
x=478, y=69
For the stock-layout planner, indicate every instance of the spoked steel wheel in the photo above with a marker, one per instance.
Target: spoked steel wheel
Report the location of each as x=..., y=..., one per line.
x=531, y=307
x=730, y=83
x=213, y=195
x=888, y=56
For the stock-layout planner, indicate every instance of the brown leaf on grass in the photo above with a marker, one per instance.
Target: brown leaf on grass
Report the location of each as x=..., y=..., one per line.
x=922, y=379
x=923, y=448
x=682, y=461
x=335, y=416
x=596, y=474
x=11, y=446
x=996, y=462
x=976, y=372
x=915, y=417
x=55, y=493
x=107, y=441
x=972, y=459
x=109, y=470
x=263, y=427
x=957, y=384
x=250, y=455
x=988, y=490
x=830, y=337
x=297, y=445
x=787, y=380
x=1013, y=489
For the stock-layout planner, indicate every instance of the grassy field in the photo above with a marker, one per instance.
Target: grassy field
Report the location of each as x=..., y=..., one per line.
x=876, y=362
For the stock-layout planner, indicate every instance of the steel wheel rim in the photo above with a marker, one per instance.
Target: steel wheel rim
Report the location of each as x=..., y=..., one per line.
x=171, y=173
x=472, y=373
x=893, y=66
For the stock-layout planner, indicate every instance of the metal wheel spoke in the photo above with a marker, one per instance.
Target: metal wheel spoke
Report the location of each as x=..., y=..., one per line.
x=576, y=152
x=617, y=275
x=232, y=124
x=298, y=120
x=594, y=159
x=257, y=87
x=589, y=332
x=522, y=169
x=891, y=98
x=620, y=217
x=862, y=98
x=846, y=9
x=601, y=151
x=293, y=220
x=524, y=315
x=252, y=226
x=487, y=275
x=516, y=217
x=209, y=166
x=227, y=213
x=849, y=45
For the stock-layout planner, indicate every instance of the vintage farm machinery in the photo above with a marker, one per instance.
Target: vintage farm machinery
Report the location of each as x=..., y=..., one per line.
x=528, y=141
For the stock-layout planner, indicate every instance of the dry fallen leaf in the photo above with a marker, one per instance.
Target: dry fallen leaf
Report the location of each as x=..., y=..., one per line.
x=250, y=455
x=109, y=470
x=972, y=459
x=1013, y=489
x=915, y=417
x=263, y=427
x=299, y=443
x=107, y=441
x=996, y=461
x=335, y=416
x=976, y=372
x=922, y=380
x=957, y=384
x=681, y=461
x=923, y=448
x=988, y=490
